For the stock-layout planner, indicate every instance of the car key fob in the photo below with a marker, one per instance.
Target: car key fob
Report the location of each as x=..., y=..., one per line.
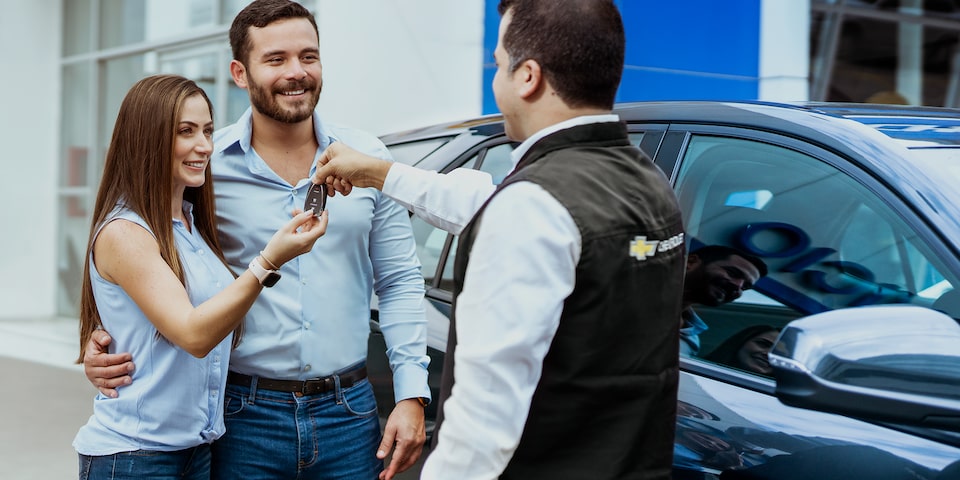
x=316, y=198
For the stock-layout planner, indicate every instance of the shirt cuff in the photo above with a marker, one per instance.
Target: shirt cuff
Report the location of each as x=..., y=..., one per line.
x=410, y=381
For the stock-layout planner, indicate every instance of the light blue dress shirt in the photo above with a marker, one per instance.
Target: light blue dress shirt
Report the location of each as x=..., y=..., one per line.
x=315, y=320
x=175, y=400
x=690, y=329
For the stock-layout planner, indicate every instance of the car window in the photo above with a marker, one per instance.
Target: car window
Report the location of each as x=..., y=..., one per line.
x=411, y=153
x=431, y=241
x=828, y=241
x=497, y=162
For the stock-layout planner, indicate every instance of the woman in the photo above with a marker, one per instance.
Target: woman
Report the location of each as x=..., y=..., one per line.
x=747, y=349
x=155, y=277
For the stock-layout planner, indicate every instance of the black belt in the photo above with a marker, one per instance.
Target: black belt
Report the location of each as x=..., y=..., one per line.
x=306, y=387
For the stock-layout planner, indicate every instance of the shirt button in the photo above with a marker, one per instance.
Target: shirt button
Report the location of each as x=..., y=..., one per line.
x=306, y=368
x=200, y=252
x=306, y=325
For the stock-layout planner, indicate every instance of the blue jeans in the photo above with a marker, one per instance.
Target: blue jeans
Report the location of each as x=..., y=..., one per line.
x=278, y=435
x=190, y=464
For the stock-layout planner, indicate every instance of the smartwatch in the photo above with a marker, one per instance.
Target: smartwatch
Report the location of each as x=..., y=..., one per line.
x=267, y=278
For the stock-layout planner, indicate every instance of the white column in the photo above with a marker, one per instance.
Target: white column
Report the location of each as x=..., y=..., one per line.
x=399, y=64
x=910, y=54
x=30, y=39
x=784, y=50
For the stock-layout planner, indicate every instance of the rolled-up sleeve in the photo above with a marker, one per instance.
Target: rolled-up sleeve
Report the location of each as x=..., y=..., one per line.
x=446, y=201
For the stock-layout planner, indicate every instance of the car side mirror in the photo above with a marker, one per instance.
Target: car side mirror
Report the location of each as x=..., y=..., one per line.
x=895, y=363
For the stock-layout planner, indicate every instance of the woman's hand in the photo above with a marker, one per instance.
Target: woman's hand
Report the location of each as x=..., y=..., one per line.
x=295, y=238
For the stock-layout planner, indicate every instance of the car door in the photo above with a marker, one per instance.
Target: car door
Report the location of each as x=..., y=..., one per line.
x=832, y=238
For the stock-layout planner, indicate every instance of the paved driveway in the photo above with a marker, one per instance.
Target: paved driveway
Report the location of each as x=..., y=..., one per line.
x=45, y=399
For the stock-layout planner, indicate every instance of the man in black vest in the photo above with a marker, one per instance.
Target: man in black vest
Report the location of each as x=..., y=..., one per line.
x=562, y=360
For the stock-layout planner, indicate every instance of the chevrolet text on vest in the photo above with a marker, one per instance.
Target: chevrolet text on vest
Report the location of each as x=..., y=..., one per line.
x=641, y=248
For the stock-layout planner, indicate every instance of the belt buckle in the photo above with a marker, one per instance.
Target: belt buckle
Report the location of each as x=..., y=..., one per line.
x=319, y=385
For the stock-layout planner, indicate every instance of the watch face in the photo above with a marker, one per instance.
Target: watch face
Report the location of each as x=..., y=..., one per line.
x=271, y=279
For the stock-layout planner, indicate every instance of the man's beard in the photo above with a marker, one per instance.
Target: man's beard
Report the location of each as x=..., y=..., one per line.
x=265, y=102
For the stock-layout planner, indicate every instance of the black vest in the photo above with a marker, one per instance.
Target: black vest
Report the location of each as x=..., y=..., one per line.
x=605, y=405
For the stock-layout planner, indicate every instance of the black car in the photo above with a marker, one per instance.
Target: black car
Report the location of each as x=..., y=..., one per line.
x=856, y=211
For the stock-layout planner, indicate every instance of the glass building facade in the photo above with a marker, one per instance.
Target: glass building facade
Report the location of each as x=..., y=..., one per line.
x=885, y=51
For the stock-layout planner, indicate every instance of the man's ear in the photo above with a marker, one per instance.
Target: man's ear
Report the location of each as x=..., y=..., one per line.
x=529, y=78
x=239, y=73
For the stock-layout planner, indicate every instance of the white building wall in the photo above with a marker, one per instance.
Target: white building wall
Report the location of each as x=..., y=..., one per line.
x=29, y=132
x=390, y=65
x=784, y=50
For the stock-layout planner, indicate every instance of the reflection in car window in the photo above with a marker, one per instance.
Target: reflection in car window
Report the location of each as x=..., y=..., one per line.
x=828, y=241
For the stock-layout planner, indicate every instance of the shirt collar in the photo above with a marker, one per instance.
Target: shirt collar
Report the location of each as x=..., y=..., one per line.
x=187, y=208
x=242, y=134
x=692, y=323
x=518, y=152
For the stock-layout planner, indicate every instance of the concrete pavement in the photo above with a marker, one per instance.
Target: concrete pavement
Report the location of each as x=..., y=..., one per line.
x=45, y=398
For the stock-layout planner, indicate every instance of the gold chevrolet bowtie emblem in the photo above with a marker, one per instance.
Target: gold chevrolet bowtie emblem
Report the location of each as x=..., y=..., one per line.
x=640, y=248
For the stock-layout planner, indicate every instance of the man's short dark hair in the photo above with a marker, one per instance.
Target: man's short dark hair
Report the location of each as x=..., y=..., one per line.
x=579, y=45
x=259, y=14
x=712, y=253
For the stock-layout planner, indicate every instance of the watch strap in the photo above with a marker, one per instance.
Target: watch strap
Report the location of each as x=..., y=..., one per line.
x=267, y=278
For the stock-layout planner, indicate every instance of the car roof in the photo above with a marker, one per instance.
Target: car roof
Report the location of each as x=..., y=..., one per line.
x=912, y=124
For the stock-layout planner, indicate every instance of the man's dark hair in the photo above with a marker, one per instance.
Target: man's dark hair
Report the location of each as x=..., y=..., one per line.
x=579, y=45
x=712, y=253
x=259, y=14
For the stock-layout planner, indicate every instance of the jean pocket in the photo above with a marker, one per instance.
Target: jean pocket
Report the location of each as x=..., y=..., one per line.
x=359, y=400
x=233, y=404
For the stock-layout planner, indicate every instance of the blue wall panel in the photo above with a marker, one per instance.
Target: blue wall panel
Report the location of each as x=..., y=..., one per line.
x=678, y=49
x=696, y=35
x=491, y=27
x=641, y=84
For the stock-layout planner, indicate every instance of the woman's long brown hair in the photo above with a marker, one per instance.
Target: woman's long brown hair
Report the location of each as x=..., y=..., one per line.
x=138, y=172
